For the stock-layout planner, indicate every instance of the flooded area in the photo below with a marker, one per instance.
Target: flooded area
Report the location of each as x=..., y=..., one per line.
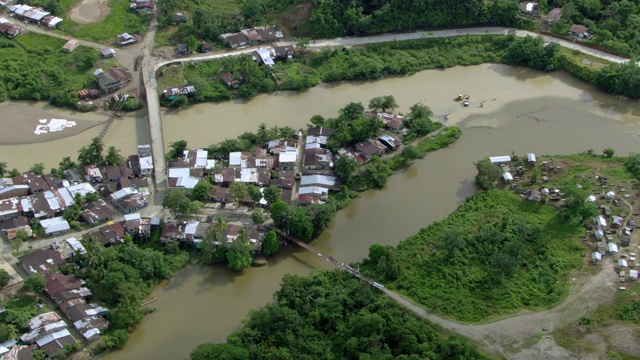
x=21, y=148
x=511, y=109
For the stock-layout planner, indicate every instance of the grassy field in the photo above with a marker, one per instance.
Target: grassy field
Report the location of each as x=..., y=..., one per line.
x=119, y=20
x=170, y=76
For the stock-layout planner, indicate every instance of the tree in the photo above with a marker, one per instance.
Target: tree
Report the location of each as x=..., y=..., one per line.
x=36, y=227
x=191, y=42
x=35, y=283
x=271, y=194
x=317, y=120
x=37, y=168
x=195, y=207
x=66, y=164
x=177, y=202
x=346, y=167
x=113, y=157
x=263, y=133
x=270, y=243
x=220, y=352
x=4, y=278
x=256, y=217
x=280, y=213
x=608, y=152
x=3, y=168
x=177, y=148
x=352, y=111
x=419, y=111
x=92, y=153
x=14, y=173
x=255, y=194
x=200, y=192
x=488, y=173
x=238, y=190
x=301, y=224
x=240, y=253
x=384, y=103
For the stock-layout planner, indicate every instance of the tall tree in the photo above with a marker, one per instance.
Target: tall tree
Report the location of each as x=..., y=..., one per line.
x=255, y=194
x=240, y=252
x=280, y=213
x=263, y=133
x=37, y=169
x=35, y=283
x=200, y=192
x=271, y=194
x=346, y=167
x=177, y=148
x=238, y=190
x=488, y=173
x=113, y=157
x=3, y=168
x=177, y=202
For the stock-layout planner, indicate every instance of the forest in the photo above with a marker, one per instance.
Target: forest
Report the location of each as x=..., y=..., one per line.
x=332, y=315
x=494, y=255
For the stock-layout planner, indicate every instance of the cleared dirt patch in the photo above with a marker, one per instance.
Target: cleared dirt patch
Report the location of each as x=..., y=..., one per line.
x=89, y=11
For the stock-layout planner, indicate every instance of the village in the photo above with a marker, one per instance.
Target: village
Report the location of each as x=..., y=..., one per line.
x=610, y=232
x=105, y=203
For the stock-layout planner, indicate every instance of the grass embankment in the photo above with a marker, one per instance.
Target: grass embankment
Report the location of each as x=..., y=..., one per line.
x=494, y=255
x=119, y=20
x=34, y=67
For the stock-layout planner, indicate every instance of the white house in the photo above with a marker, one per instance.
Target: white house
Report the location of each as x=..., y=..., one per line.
x=55, y=226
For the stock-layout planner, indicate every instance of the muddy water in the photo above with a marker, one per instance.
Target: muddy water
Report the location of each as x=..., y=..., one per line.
x=512, y=109
x=125, y=134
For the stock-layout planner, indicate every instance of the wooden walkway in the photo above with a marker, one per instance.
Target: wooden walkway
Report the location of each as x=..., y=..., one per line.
x=331, y=259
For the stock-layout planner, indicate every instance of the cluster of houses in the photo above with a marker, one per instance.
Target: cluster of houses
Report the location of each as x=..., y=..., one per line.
x=143, y=6
x=252, y=36
x=268, y=56
x=578, y=30
x=127, y=39
x=192, y=232
x=49, y=331
x=46, y=198
x=37, y=15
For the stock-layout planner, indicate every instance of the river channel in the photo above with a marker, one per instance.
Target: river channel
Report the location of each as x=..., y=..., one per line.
x=512, y=109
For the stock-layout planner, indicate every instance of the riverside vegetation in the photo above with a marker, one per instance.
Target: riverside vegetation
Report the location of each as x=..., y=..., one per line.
x=376, y=61
x=332, y=315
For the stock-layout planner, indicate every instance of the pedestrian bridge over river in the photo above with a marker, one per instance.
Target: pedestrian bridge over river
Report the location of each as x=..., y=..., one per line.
x=330, y=259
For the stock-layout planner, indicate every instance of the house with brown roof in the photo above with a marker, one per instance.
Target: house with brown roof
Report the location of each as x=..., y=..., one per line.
x=9, y=30
x=109, y=234
x=317, y=159
x=391, y=121
x=371, y=147
x=70, y=45
x=220, y=194
x=580, y=31
x=98, y=212
x=268, y=33
x=35, y=182
x=57, y=282
x=235, y=40
x=206, y=47
x=283, y=52
x=285, y=180
x=228, y=79
x=252, y=36
x=553, y=16
x=10, y=227
x=42, y=261
x=54, y=344
x=112, y=79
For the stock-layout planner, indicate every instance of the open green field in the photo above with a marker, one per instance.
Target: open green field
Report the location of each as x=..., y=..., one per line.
x=120, y=20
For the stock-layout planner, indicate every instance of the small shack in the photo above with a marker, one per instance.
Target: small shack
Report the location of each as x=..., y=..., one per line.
x=70, y=45
x=613, y=248
x=622, y=263
x=596, y=257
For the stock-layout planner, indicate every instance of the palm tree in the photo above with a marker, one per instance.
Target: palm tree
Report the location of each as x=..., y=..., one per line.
x=263, y=133
x=274, y=131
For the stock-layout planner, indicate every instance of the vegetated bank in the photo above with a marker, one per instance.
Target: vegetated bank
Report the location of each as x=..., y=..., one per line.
x=376, y=61
x=332, y=315
x=498, y=252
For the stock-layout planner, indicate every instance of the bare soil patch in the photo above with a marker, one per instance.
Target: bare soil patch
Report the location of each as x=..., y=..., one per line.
x=19, y=121
x=89, y=11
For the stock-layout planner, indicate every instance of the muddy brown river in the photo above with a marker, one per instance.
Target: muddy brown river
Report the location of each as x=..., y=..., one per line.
x=512, y=109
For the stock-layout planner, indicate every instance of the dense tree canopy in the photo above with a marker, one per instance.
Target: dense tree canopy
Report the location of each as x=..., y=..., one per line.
x=332, y=315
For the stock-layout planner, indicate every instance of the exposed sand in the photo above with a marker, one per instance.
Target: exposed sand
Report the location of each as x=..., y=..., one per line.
x=18, y=121
x=89, y=11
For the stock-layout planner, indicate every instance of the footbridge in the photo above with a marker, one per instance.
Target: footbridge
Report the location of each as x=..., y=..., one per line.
x=330, y=259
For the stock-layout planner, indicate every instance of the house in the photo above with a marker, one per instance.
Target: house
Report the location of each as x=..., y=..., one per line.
x=8, y=29
x=109, y=234
x=10, y=227
x=91, y=326
x=507, y=177
x=184, y=231
x=287, y=160
x=617, y=221
x=268, y=33
x=596, y=257
x=613, y=248
x=112, y=79
x=8, y=189
x=391, y=121
x=600, y=220
x=9, y=208
x=500, y=159
x=235, y=40
x=534, y=195
x=54, y=344
x=57, y=282
x=98, y=212
x=528, y=7
x=70, y=45
x=143, y=6
x=327, y=181
x=531, y=158
x=39, y=332
x=371, y=147
x=66, y=295
x=229, y=79
x=51, y=21
x=107, y=53
x=172, y=93
x=129, y=199
x=276, y=146
x=55, y=226
x=206, y=47
x=126, y=39
x=553, y=16
x=285, y=179
x=252, y=36
x=320, y=131
x=580, y=31
x=263, y=56
x=389, y=141
x=41, y=261
x=622, y=263
x=180, y=17
x=317, y=159
x=182, y=50
x=598, y=232
x=283, y=52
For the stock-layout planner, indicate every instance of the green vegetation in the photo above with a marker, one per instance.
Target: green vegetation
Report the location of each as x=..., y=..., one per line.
x=15, y=318
x=494, y=255
x=34, y=67
x=615, y=23
x=119, y=20
x=332, y=315
x=4, y=278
